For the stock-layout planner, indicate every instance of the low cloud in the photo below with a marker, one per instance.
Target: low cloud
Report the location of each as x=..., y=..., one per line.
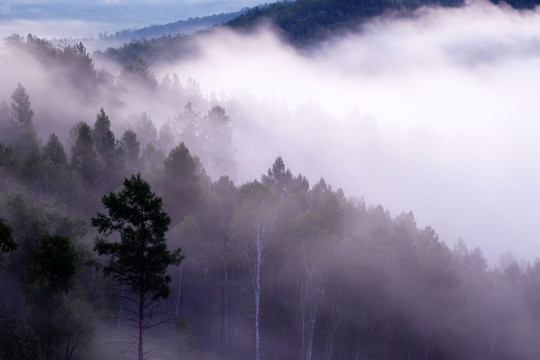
x=436, y=113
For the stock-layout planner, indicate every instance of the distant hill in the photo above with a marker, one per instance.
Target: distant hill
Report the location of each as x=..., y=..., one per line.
x=188, y=26
x=307, y=21
x=301, y=22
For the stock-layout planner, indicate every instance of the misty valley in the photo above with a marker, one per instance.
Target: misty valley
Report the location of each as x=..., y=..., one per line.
x=216, y=195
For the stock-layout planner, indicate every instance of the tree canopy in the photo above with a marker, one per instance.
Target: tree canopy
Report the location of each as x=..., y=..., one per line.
x=141, y=258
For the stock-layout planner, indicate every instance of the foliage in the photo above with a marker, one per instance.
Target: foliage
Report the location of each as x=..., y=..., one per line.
x=25, y=140
x=164, y=48
x=84, y=158
x=54, y=151
x=337, y=278
x=53, y=267
x=74, y=60
x=7, y=243
x=304, y=22
x=21, y=109
x=131, y=149
x=141, y=258
x=17, y=340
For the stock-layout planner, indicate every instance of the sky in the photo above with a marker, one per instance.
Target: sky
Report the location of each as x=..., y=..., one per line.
x=88, y=18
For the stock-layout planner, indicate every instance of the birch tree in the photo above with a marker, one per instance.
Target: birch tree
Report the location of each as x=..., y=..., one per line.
x=252, y=223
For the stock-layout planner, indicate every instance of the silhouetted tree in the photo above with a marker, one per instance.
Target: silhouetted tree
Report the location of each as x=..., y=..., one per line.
x=252, y=223
x=139, y=73
x=141, y=258
x=45, y=283
x=146, y=130
x=54, y=151
x=107, y=149
x=217, y=142
x=21, y=109
x=7, y=244
x=130, y=146
x=84, y=158
x=22, y=114
x=183, y=175
x=278, y=176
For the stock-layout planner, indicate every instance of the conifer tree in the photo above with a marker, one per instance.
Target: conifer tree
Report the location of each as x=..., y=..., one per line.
x=21, y=112
x=141, y=258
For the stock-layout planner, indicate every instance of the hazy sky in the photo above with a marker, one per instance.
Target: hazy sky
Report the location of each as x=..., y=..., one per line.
x=87, y=18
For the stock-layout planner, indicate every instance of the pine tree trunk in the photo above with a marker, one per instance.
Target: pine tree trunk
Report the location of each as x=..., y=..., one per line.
x=141, y=324
x=258, y=293
x=177, y=311
x=226, y=304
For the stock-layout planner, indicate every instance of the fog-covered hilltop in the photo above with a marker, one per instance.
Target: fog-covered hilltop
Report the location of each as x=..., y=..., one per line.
x=174, y=28
x=279, y=266
x=305, y=22
x=302, y=23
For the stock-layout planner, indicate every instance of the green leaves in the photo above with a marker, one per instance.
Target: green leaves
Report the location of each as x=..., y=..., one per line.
x=141, y=257
x=54, y=266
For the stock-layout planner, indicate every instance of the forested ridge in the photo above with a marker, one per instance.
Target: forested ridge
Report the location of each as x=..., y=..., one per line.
x=179, y=27
x=302, y=23
x=275, y=268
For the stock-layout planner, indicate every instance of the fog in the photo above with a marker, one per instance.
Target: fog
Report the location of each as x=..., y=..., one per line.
x=436, y=114
x=432, y=114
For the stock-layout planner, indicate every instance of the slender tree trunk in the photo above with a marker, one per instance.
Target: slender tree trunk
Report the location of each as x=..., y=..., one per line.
x=177, y=311
x=303, y=300
x=67, y=347
x=258, y=293
x=49, y=335
x=121, y=314
x=226, y=303
x=141, y=324
x=494, y=340
x=428, y=348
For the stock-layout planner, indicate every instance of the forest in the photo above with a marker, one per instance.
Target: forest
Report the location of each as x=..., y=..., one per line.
x=302, y=23
x=273, y=268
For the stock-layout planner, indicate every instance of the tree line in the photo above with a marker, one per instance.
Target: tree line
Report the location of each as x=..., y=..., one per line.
x=274, y=268
x=302, y=23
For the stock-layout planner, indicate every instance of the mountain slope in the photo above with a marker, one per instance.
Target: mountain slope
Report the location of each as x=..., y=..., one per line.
x=175, y=28
x=307, y=21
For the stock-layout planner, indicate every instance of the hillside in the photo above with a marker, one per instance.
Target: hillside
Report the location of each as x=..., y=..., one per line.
x=307, y=21
x=335, y=277
x=303, y=23
x=175, y=28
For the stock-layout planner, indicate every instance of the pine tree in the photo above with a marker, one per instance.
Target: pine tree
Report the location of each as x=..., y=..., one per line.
x=21, y=109
x=83, y=156
x=141, y=258
x=54, y=151
x=21, y=113
x=7, y=244
x=131, y=149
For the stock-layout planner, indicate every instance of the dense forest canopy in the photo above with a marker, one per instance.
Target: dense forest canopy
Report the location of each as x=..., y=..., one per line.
x=275, y=267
